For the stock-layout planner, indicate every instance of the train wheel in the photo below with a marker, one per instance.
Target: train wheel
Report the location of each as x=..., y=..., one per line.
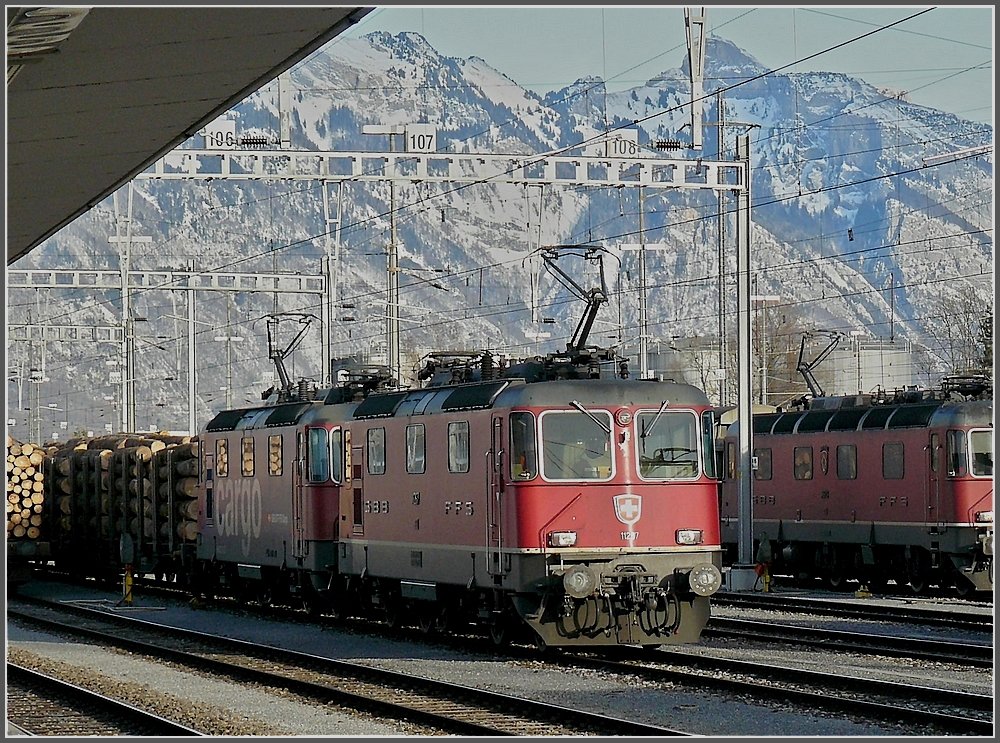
x=500, y=630
x=444, y=621
x=962, y=585
x=917, y=583
x=836, y=581
x=427, y=621
x=394, y=614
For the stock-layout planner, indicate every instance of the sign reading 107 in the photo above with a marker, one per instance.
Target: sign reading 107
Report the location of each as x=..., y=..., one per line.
x=421, y=138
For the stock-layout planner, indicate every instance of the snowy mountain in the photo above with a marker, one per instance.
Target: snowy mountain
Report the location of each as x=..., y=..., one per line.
x=850, y=229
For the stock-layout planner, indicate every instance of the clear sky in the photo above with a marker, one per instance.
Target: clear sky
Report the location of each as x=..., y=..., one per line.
x=942, y=58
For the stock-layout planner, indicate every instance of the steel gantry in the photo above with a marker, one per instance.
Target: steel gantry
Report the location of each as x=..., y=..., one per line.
x=189, y=281
x=623, y=164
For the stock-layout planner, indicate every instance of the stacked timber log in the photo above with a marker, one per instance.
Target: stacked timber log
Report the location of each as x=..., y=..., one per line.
x=25, y=490
x=176, y=478
x=125, y=489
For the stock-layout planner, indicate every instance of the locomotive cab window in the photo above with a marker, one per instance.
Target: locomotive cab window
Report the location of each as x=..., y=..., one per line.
x=376, y=451
x=523, y=457
x=319, y=455
x=708, y=443
x=458, y=446
x=668, y=444
x=337, y=455
x=982, y=453
x=575, y=446
x=957, y=454
x=415, y=449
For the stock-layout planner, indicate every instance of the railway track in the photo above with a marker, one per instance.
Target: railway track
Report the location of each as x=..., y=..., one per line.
x=930, y=710
x=876, y=612
x=443, y=708
x=39, y=704
x=958, y=652
x=917, y=707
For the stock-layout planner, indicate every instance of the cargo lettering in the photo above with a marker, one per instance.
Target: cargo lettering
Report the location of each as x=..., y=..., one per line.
x=240, y=509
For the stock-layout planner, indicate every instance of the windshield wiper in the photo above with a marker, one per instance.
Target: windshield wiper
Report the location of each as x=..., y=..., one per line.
x=592, y=417
x=656, y=417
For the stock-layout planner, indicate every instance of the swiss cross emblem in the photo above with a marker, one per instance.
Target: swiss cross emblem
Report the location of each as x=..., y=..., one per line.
x=628, y=508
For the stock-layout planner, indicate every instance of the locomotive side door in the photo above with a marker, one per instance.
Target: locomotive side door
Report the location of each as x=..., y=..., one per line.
x=298, y=495
x=494, y=498
x=357, y=493
x=935, y=471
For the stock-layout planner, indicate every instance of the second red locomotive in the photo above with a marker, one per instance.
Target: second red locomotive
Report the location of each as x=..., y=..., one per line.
x=868, y=489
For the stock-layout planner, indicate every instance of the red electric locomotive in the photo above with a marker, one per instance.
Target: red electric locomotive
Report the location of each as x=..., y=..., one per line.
x=538, y=495
x=869, y=489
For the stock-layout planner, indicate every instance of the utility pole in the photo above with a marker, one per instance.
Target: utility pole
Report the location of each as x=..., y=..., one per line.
x=723, y=365
x=723, y=341
x=742, y=575
x=694, y=27
x=229, y=339
x=128, y=326
x=392, y=258
x=643, y=326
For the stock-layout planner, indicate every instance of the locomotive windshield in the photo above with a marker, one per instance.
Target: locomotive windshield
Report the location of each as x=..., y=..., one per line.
x=982, y=452
x=576, y=446
x=669, y=449
x=319, y=455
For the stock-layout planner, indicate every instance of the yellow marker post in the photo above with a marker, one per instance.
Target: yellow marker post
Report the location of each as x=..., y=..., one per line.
x=127, y=586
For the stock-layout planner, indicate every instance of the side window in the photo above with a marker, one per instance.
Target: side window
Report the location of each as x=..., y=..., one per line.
x=523, y=456
x=847, y=462
x=222, y=457
x=763, y=471
x=956, y=454
x=275, y=466
x=708, y=442
x=376, y=451
x=892, y=460
x=458, y=446
x=247, y=463
x=415, y=449
x=935, y=443
x=731, y=461
x=319, y=455
x=337, y=455
x=803, y=467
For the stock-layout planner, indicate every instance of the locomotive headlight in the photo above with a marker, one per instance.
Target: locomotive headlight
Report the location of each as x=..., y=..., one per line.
x=688, y=536
x=580, y=581
x=984, y=517
x=562, y=538
x=705, y=579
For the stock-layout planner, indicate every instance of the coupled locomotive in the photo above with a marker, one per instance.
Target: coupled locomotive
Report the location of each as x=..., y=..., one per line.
x=872, y=488
x=537, y=496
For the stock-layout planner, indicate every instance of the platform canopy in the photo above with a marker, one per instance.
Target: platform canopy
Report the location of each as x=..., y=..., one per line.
x=94, y=95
